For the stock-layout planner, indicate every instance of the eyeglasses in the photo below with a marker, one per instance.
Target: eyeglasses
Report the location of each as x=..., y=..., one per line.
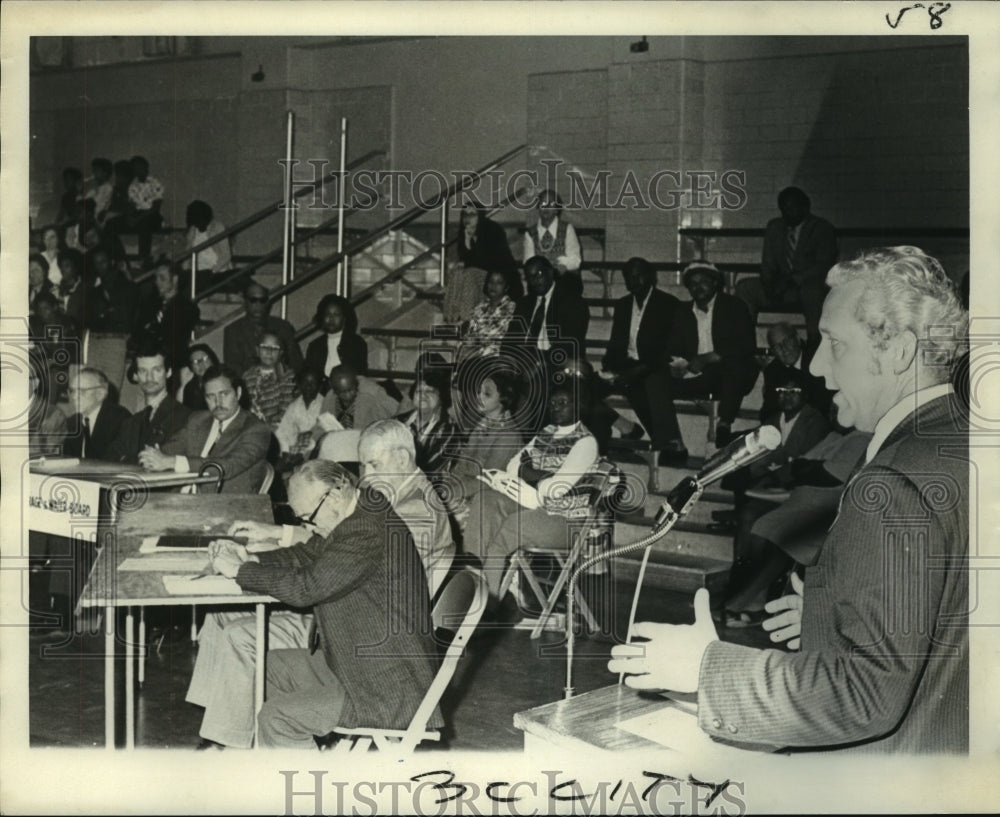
x=312, y=517
x=783, y=390
x=264, y=348
x=256, y=299
x=197, y=361
x=83, y=388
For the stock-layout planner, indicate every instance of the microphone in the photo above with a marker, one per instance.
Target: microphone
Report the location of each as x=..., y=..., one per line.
x=747, y=449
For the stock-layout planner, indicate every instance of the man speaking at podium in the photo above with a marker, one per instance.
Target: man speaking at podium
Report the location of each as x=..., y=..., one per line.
x=884, y=664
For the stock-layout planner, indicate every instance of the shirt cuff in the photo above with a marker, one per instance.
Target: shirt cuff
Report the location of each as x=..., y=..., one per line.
x=181, y=465
x=287, y=534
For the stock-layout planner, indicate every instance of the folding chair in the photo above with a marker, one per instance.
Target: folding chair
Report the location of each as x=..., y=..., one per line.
x=459, y=607
x=599, y=518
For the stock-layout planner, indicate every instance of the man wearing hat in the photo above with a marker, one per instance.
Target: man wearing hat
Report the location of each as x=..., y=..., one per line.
x=710, y=353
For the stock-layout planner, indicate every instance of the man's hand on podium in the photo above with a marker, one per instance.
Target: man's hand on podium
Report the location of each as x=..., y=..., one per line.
x=671, y=657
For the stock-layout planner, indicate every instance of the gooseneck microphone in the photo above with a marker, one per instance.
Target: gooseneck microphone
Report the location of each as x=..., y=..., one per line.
x=739, y=453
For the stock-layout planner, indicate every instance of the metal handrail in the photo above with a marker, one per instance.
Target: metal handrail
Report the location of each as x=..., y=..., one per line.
x=400, y=221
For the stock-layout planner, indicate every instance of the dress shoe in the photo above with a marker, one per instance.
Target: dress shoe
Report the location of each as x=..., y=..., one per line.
x=673, y=458
x=723, y=435
x=205, y=744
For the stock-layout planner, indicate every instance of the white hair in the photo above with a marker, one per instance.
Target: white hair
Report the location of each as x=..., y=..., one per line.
x=390, y=434
x=907, y=290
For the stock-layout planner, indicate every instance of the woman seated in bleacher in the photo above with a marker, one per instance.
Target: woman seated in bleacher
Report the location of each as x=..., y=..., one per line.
x=433, y=431
x=494, y=437
x=339, y=342
x=49, y=248
x=271, y=383
x=545, y=486
x=38, y=279
x=200, y=358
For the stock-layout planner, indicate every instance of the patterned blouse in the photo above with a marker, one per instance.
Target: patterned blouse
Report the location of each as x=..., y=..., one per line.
x=487, y=327
x=548, y=452
x=270, y=393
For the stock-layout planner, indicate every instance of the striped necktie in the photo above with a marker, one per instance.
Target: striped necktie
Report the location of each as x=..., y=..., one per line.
x=790, y=242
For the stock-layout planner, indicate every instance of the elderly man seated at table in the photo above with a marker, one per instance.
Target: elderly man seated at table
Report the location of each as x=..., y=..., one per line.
x=226, y=435
x=91, y=431
x=366, y=586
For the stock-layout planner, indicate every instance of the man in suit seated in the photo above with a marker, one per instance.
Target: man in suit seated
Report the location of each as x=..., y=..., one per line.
x=884, y=659
x=242, y=337
x=225, y=434
x=790, y=359
x=92, y=429
x=640, y=331
x=376, y=656
x=799, y=249
x=710, y=352
x=162, y=416
x=549, y=326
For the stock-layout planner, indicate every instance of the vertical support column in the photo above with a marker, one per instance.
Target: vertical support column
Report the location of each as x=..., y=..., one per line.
x=109, y=678
x=289, y=203
x=194, y=275
x=142, y=646
x=129, y=679
x=342, y=287
x=260, y=648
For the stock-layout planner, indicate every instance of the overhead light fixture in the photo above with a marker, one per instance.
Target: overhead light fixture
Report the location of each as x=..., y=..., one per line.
x=258, y=75
x=639, y=46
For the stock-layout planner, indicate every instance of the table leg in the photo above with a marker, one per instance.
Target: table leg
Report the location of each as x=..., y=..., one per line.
x=141, y=656
x=129, y=679
x=109, y=678
x=258, y=688
x=194, y=622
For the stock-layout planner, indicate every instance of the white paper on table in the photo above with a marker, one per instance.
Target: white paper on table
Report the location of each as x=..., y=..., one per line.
x=201, y=586
x=674, y=726
x=186, y=562
x=329, y=422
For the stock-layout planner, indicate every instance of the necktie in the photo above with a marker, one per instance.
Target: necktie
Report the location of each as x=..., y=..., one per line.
x=213, y=435
x=145, y=434
x=86, y=437
x=345, y=415
x=790, y=243
x=537, y=319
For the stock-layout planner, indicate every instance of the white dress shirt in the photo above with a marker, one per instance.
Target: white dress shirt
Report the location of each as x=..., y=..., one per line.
x=704, y=320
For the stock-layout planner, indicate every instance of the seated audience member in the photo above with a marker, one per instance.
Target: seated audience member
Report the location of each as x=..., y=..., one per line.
x=772, y=538
x=242, y=337
x=543, y=488
x=294, y=432
x=169, y=317
x=640, y=331
x=270, y=384
x=490, y=319
x=494, y=437
x=553, y=238
x=225, y=434
x=353, y=401
x=711, y=352
x=71, y=201
x=482, y=248
x=790, y=358
x=49, y=249
x=90, y=432
x=101, y=188
x=388, y=464
x=202, y=226
x=549, y=326
x=200, y=358
x=81, y=301
x=118, y=208
x=46, y=420
x=366, y=586
x=339, y=342
x=57, y=340
x=799, y=249
x=120, y=296
x=145, y=198
x=884, y=661
x=429, y=422
x=38, y=279
x=161, y=417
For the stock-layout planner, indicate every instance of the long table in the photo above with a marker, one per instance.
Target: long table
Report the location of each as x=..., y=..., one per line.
x=110, y=587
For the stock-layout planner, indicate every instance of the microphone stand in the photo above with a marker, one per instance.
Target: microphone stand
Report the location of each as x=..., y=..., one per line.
x=679, y=502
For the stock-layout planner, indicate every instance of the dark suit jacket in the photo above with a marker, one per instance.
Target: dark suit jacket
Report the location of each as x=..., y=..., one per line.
x=654, y=331
x=240, y=339
x=809, y=429
x=102, y=435
x=815, y=391
x=884, y=660
x=241, y=449
x=733, y=333
x=367, y=586
x=815, y=251
x=566, y=311
x=136, y=433
x=353, y=351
